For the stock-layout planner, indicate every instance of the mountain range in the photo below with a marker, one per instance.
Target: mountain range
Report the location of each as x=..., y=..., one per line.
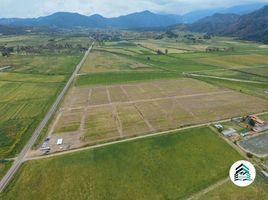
x=134, y=20
x=244, y=22
x=71, y=20
x=252, y=26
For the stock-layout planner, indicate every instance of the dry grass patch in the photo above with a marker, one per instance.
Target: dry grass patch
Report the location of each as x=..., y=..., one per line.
x=98, y=96
x=117, y=95
x=100, y=124
x=69, y=121
x=132, y=121
x=99, y=61
x=77, y=97
x=235, y=61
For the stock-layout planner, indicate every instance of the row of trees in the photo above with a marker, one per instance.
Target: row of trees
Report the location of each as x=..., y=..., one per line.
x=6, y=51
x=216, y=49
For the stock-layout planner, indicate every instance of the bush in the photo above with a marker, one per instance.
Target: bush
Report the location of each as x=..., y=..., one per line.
x=249, y=155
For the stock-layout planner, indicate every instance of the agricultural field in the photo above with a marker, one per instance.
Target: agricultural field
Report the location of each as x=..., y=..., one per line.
x=101, y=61
x=92, y=114
x=29, y=83
x=153, y=168
x=243, y=74
x=41, y=64
x=126, y=89
x=254, y=89
x=236, y=61
x=4, y=166
x=24, y=101
x=125, y=56
x=228, y=191
x=259, y=71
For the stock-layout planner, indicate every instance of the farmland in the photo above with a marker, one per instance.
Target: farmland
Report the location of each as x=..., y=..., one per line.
x=125, y=89
x=4, y=165
x=102, y=113
x=31, y=80
x=255, y=89
x=152, y=168
x=229, y=191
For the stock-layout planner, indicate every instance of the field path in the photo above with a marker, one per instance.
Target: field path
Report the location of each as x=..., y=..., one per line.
x=208, y=189
x=153, y=99
x=17, y=163
x=148, y=124
x=115, y=114
x=224, y=78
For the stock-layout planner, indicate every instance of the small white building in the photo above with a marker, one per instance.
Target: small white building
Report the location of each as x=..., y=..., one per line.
x=229, y=132
x=218, y=126
x=59, y=141
x=245, y=134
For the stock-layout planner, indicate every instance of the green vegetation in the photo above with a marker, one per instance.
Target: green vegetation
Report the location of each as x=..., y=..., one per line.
x=120, y=77
x=42, y=64
x=264, y=117
x=172, y=166
x=229, y=191
x=4, y=166
x=23, y=106
x=238, y=74
x=36, y=70
x=256, y=89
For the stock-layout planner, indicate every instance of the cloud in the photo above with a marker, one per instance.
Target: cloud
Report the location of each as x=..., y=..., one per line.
x=34, y=8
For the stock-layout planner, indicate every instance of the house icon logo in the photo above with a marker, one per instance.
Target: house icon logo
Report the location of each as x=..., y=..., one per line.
x=242, y=173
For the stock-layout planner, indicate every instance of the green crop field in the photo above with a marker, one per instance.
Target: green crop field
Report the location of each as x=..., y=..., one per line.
x=42, y=64
x=30, y=84
x=4, y=166
x=244, y=74
x=172, y=166
x=255, y=89
x=228, y=191
x=121, y=77
x=22, y=106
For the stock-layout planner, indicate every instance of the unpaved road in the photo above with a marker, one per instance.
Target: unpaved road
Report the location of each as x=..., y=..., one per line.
x=17, y=163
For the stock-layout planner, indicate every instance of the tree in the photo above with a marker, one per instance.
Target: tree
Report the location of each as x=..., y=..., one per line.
x=166, y=51
x=251, y=122
x=249, y=155
x=160, y=52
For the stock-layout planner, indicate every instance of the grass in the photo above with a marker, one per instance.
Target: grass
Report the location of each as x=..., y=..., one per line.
x=236, y=61
x=42, y=63
x=4, y=166
x=255, y=89
x=29, y=87
x=258, y=71
x=104, y=61
x=37, y=78
x=163, y=167
x=228, y=191
x=264, y=117
x=122, y=77
x=243, y=74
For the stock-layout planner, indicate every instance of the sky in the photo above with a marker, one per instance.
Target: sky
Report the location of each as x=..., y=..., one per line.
x=109, y=8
